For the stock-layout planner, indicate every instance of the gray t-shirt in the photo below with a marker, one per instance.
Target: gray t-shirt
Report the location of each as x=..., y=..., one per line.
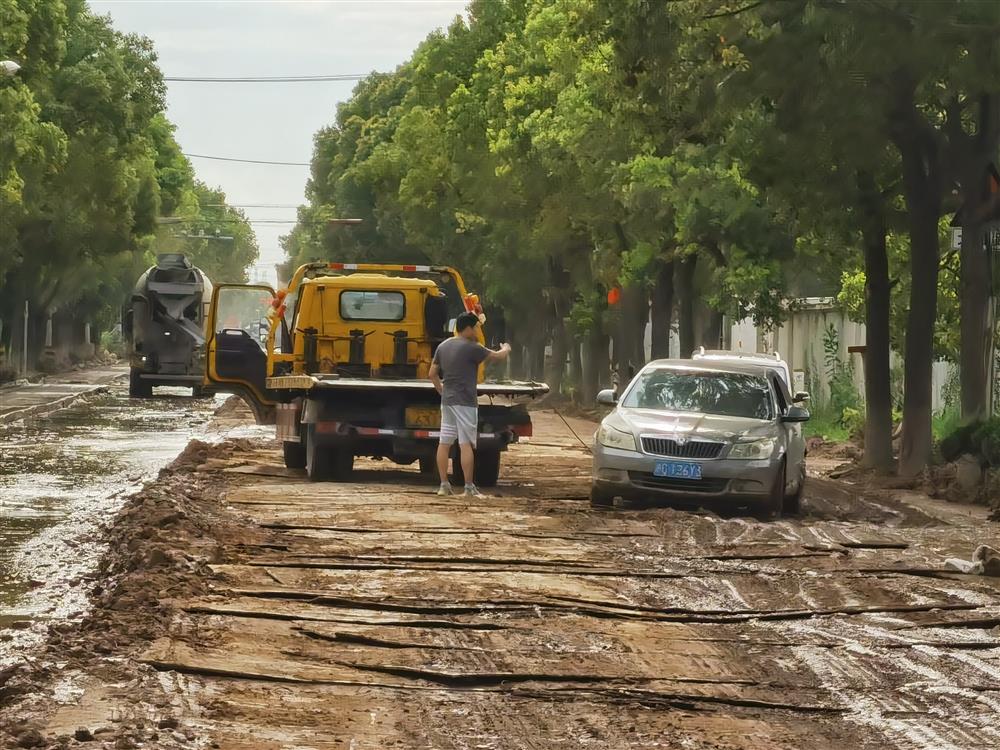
x=458, y=359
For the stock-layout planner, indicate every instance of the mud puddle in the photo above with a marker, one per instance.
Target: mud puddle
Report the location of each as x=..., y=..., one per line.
x=62, y=478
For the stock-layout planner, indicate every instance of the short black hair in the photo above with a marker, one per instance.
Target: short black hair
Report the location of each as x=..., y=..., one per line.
x=466, y=320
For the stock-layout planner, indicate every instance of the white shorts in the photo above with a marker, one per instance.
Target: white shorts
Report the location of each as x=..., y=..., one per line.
x=459, y=423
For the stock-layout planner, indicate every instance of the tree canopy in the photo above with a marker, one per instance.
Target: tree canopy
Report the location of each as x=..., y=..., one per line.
x=88, y=168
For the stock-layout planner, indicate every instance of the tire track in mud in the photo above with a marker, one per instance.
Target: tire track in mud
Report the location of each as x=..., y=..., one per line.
x=375, y=614
x=844, y=596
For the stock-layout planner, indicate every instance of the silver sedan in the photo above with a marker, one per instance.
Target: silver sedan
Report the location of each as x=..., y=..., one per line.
x=691, y=430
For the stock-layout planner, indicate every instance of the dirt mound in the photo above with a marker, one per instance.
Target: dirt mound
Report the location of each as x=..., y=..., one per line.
x=159, y=548
x=234, y=406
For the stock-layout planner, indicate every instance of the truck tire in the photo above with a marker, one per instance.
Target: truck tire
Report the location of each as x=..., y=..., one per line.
x=428, y=466
x=487, y=471
x=341, y=460
x=294, y=454
x=317, y=464
x=137, y=387
x=198, y=391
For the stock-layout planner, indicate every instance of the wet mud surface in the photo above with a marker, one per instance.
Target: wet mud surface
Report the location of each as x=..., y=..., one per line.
x=63, y=477
x=243, y=607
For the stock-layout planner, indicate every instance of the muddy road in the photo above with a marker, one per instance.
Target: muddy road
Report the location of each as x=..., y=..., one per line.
x=244, y=607
x=63, y=478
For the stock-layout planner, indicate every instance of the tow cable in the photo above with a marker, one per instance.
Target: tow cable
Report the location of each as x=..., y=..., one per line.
x=568, y=427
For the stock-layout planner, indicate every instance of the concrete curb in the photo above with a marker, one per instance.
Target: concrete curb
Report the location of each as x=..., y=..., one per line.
x=63, y=402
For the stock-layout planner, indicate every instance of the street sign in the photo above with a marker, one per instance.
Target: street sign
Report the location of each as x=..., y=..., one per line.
x=956, y=238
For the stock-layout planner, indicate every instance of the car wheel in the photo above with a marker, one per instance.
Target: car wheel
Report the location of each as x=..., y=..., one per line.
x=601, y=498
x=775, y=502
x=793, y=503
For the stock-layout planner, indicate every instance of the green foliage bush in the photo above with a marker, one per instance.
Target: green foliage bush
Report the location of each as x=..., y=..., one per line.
x=980, y=439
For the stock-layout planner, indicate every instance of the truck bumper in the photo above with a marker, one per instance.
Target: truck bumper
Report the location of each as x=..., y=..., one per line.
x=400, y=445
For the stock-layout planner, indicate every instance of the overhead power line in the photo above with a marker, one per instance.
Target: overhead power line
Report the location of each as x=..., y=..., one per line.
x=250, y=161
x=268, y=79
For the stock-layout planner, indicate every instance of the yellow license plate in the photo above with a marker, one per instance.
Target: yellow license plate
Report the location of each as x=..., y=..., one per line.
x=427, y=418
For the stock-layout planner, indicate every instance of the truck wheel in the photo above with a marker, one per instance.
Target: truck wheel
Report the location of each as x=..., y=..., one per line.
x=137, y=387
x=487, y=470
x=198, y=391
x=428, y=466
x=341, y=461
x=294, y=454
x=317, y=458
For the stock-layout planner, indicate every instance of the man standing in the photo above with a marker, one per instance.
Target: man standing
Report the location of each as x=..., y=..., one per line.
x=454, y=372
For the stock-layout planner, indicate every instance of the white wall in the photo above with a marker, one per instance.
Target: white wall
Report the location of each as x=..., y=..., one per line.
x=799, y=341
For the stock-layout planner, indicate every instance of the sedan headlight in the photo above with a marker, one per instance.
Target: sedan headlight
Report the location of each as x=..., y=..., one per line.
x=609, y=437
x=754, y=449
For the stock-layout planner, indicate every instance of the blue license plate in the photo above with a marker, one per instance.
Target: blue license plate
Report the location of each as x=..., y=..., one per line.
x=677, y=470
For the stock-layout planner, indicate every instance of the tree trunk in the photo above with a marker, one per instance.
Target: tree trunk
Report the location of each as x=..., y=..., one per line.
x=973, y=155
x=712, y=338
x=924, y=210
x=917, y=444
x=923, y=185
x=556, y=366
x=976, y=328
x=575, y=368
x=628, y=347
x=662, y=309
x=596, y=366
x=640, y=319
x=517, y=362
x=878, y=390
x=685, y=308
x=537, y=357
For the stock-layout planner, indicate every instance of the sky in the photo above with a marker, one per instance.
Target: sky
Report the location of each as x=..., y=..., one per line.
x=269, y=121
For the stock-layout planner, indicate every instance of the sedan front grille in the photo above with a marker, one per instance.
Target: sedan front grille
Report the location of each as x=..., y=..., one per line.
x=690, y=449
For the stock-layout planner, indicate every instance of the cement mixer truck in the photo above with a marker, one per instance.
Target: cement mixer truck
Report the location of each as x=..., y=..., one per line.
x=163, y=326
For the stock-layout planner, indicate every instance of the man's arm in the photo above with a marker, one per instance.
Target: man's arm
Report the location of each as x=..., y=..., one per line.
x=435, y=376
x=499, y=355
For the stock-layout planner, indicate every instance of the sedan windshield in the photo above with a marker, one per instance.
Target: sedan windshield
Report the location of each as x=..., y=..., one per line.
x=725, y=393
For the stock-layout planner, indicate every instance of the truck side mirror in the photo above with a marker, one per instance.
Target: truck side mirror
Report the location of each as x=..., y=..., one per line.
x=607, y=397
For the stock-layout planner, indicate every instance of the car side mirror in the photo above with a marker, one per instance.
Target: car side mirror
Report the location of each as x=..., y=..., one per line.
x=799, y=397
x=796, y=414
x=607, y=397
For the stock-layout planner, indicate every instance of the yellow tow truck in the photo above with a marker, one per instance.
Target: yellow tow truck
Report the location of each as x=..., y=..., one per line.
x=339, y=359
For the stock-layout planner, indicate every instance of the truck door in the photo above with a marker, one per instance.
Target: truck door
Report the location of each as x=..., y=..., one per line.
x=236, y=360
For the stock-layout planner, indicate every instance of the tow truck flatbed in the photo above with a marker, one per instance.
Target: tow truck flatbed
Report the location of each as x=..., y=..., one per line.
x=334, y=382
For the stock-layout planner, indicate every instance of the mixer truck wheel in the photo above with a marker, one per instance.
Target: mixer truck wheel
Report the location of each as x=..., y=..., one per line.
x=137, y=387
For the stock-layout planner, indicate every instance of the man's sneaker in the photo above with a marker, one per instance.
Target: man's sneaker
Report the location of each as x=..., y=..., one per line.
x=445, y=490
x=472, y=491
